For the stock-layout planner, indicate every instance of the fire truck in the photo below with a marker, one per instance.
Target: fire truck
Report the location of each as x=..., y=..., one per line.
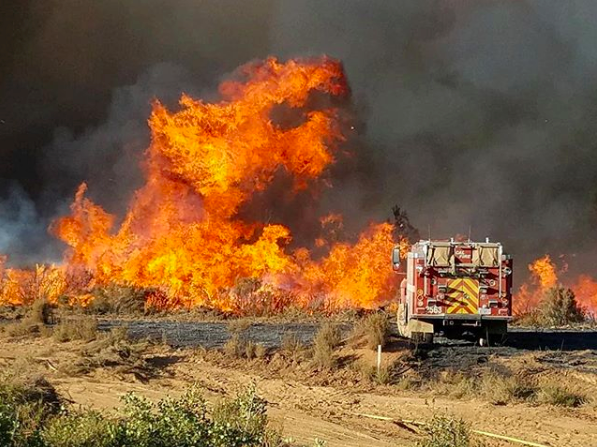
x=456, y=289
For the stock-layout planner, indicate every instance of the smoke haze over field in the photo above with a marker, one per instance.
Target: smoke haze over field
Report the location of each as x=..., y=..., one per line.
x=470, y=114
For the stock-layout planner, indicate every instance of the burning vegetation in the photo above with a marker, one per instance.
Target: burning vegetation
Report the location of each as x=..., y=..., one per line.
x=553, y=299
x=184, y=241
x=183, y=238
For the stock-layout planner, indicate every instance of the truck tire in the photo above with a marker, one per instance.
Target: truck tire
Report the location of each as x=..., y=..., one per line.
x=422, y=337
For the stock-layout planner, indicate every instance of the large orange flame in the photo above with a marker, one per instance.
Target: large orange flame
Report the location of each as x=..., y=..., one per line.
x=543, y=272
x=545, y=275
x=182, y=235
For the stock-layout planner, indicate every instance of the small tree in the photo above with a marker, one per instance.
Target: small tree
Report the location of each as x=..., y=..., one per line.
x=402, y=226
x=559, y=307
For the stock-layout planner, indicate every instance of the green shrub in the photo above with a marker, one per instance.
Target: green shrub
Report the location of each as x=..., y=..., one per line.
x=183, y=422
x=85, y=429
x=444, y=431
x=241, y=421
x=24, y=406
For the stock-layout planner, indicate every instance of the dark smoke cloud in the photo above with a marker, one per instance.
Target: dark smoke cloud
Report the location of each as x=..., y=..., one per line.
x=478, y=114
x=109, y=156
x=469, y=114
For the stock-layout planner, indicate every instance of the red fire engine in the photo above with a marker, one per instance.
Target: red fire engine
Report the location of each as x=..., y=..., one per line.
x=454, y=288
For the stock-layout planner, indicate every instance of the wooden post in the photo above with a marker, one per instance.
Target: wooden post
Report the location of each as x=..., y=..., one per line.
x=378, y=359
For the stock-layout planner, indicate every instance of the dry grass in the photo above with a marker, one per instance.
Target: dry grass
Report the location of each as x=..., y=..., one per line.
x=324, y=357
x=384, y=376
x=35, y=321
x=327, y=339
x=24, y=328
x=117, y=299
x=292, y=347
x=553, y=392
x=11, y=313
x=408, y=383
x=239, y=325
x=113, y=349
x=260, y=351
x=235, y=347
x=329, y=334
x=375, y=328
x=76, y=328
x=41, y=312
x=489, y=385
x=250, y=350
x=503, y=389
x=557, y=308
x=238, y=347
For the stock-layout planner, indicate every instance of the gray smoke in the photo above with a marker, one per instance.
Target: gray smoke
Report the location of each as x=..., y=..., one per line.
x=22, y=230
x=109, y=157
x=478, y=116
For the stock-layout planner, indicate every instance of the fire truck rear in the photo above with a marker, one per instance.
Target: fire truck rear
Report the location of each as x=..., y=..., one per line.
x=455, y=288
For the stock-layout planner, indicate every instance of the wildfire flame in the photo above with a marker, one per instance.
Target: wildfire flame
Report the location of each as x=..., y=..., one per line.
x=545, y=275
x=182, y=235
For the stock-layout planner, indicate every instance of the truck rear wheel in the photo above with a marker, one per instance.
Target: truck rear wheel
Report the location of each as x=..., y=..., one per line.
x=422, y=337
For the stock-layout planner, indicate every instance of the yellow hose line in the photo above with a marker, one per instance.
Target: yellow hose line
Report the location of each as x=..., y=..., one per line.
x=479, y=432
x=508, y=438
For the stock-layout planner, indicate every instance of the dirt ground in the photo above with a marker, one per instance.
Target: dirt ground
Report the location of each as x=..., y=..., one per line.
x=308, y=408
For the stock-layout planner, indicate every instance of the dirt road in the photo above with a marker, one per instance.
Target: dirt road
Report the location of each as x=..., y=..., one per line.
x=307, y=412
x=327, y=413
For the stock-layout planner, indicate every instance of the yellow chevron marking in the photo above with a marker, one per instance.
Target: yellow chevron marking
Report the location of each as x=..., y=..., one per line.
x=463, y=296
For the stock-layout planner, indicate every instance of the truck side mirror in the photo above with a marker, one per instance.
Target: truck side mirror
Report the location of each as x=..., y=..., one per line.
x=396, y=258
